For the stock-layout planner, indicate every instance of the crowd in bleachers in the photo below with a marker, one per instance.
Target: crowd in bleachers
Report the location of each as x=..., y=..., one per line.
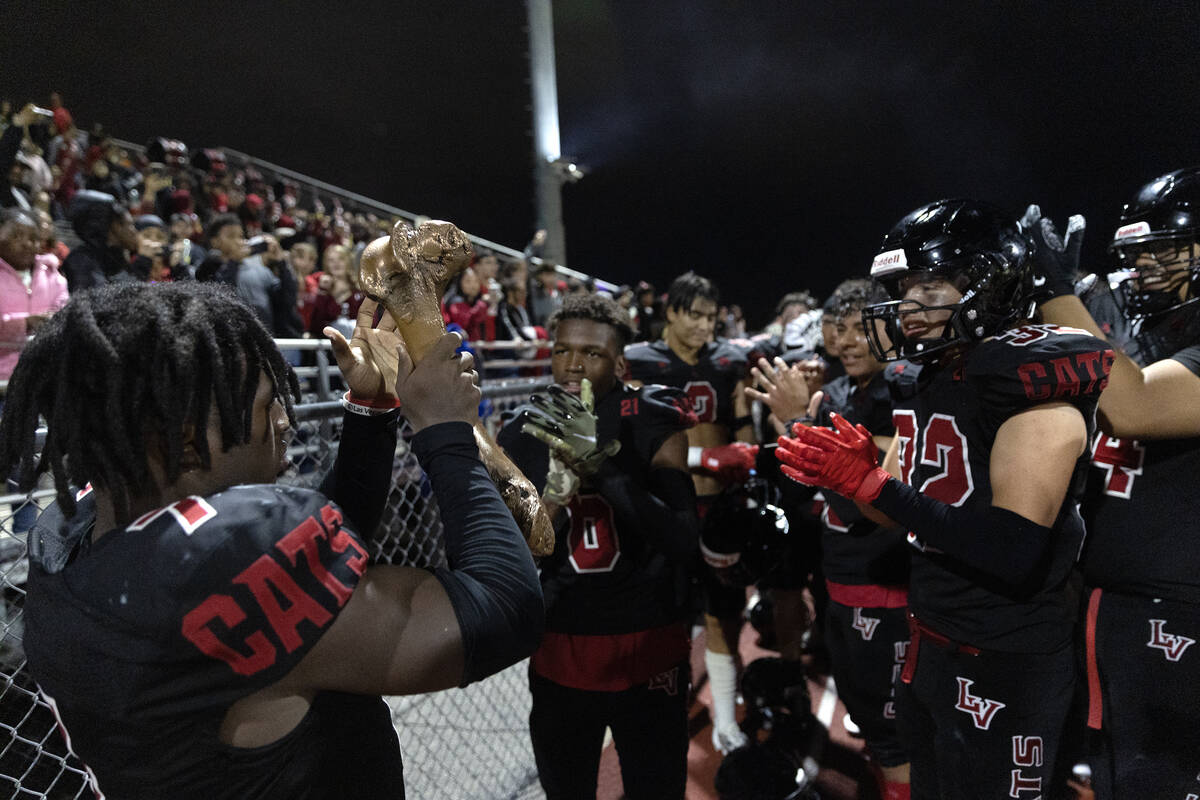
x=169, y=212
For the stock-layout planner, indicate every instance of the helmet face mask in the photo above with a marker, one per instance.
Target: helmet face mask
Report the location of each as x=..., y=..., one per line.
x=1157, y=245
x=977, y=248
x=1161, y=276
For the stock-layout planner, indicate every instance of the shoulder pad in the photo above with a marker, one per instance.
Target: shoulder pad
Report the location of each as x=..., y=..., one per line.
x=666, y=405
x=1035, y=364
x=644, y=361
x=837, y=398
x=256, y=574
x=53, y=538
x=903, y=379
x=727, y=356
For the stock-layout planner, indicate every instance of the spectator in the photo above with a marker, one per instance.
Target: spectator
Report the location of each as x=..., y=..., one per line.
x=31, y=288
x=338, y=293
x=151, y=261
x=66, y=152
x=303, y=258
x=107, y=237
x=650, y=318
x=50, y=243
x=472, y=308
x=185, y=253
x=546, y=294
x=790, y=306
x=229, y=262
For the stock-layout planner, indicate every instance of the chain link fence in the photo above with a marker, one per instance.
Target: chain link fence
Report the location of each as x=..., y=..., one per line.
x=462, y=743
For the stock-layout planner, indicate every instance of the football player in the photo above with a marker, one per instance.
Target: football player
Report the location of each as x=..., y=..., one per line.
x=202, y=633
x=865, y=567
x=1143, y=613
x=985, y=472
x=711, y=374
x=611, y=462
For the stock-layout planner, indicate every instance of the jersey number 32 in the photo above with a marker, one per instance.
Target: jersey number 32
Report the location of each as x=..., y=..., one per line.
x=939, y=444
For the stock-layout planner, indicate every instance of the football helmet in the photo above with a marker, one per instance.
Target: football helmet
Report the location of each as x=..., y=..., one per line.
x=977, y=247
x=1155, y=244
x=783, y=766
x=744, y=534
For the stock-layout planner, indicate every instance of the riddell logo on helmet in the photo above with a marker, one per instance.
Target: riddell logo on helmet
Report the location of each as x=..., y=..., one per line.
x=889, y=262
x=1134, y=229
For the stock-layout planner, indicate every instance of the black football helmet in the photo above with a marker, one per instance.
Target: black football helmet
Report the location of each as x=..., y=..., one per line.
x=1155, y=246
x=744, y=535
x=783, y=766
x=974, y=245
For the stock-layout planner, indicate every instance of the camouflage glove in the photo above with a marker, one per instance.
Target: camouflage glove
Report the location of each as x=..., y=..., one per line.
x=561, y=483
x=567, y=424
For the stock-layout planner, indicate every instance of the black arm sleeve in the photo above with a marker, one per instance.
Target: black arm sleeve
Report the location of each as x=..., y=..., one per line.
x=665, y=510
x=492, y=582
x=995, y=541
x=362, y=472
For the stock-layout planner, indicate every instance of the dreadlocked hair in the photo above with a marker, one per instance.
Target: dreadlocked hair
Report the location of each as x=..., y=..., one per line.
x=128, y=361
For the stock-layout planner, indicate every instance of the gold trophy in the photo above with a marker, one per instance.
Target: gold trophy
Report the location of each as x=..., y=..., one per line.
x=408, y=272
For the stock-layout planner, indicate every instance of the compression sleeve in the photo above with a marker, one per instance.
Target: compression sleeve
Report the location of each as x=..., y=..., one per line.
x=995, y=541
x=362, y=472
x=666, y=509
x=491, y=580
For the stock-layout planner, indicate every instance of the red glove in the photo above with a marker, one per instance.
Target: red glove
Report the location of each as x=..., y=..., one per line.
x=845, y=459
x=730, y=462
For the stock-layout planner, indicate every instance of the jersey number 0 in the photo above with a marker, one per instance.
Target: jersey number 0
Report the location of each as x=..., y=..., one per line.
x=592, y=542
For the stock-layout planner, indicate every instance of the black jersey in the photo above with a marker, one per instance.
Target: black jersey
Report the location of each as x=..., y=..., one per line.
x=855, y=550
x=946, y=430
x=709, y=383
x=1141, y=508
x=605, y=576
x=182, y=613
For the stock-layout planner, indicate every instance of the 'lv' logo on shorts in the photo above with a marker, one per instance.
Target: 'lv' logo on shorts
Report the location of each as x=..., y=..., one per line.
x=981, y=710
x=1171, y=644
x=864, y=625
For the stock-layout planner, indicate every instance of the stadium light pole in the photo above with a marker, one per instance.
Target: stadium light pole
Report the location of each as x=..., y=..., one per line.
x=549, y=169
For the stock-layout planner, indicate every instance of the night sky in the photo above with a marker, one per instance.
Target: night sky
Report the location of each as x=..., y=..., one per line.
x=770, y=150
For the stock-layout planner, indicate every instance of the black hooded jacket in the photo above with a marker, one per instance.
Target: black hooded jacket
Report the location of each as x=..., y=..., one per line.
x=94, y=262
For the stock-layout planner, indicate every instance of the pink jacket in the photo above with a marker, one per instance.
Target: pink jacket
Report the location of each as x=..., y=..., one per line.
x=47, y=292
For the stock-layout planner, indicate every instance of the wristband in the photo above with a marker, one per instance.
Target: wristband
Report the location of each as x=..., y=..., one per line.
x=695, y=457
x=368, y=408
x=872, y=485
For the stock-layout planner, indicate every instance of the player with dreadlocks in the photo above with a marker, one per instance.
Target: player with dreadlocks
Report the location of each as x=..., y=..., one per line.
x=203, y=633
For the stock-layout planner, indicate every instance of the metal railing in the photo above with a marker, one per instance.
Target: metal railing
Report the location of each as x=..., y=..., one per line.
x=360, y=202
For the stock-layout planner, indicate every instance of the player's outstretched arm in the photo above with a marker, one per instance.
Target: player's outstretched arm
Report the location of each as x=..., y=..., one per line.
x=1161, y=401
x=407, y=630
